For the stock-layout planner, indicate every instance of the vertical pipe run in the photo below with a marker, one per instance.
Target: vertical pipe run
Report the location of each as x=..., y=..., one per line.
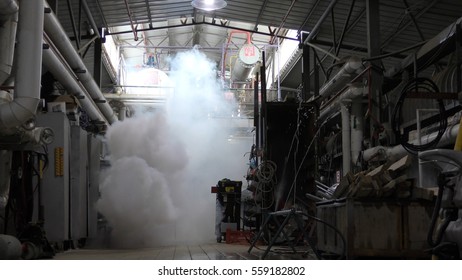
x=374, y=49
x=357, y=123
x=256, y=113
x=28, y=66
x=5, y=175
x=346, y=142
x=306, y=72
x=263, y=103
x=8, y=26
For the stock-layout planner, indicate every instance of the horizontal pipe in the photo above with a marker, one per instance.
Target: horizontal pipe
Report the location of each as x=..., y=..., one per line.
x=64, y=75
x=341, y=78
x=352, y=92
x=59, y=38
x=398, y=151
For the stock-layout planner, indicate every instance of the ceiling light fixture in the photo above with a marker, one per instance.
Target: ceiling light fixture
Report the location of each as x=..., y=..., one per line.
x=209, y=5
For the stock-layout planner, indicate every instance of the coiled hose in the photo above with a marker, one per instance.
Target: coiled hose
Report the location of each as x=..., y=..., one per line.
x=418, y=85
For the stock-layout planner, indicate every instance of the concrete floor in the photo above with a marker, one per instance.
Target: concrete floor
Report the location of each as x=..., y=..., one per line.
x=214, y=251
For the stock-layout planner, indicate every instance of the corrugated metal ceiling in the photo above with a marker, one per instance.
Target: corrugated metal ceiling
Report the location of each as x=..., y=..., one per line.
x=182, y=25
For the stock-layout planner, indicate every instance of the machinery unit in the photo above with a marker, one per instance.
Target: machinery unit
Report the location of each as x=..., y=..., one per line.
x=228, y=207
x=445, y=233
x=55, y=193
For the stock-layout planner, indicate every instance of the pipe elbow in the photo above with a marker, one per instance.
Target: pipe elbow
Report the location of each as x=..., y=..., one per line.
x=18, y=111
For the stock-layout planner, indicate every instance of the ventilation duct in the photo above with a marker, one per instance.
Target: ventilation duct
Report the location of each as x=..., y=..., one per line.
x=28, y=66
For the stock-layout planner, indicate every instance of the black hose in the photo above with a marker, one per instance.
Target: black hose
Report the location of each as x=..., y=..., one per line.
x=435, y=214
x=418, y=85
x=442, y=183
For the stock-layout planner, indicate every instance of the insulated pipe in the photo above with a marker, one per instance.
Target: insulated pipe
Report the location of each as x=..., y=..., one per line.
x=29, y=66
x=59, y=38
x=8, y=25
x=342, y=77
x=397, y=152
x=10, y=247
x=70, y=83
x=357, y=123
x=7, y=8
x=352, y=92
x=122, y=113
x=346, y=139
x=5, y=172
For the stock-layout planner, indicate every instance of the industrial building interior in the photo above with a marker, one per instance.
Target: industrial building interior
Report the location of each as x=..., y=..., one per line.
x=211, y=129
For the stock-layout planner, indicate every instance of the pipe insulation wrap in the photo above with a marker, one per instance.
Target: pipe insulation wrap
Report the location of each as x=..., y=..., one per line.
x=7, y=8
x=357, y=125
x=5, y=170
x=398, y=151
x=351, y=93
x=7, y=41
x=62, y=74
x=28, y=64
x=346, y=139
x=352, y=66
x=59, y=38
x=10, y=247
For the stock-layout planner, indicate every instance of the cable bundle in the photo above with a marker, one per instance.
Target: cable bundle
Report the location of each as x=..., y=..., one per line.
x=418, y=85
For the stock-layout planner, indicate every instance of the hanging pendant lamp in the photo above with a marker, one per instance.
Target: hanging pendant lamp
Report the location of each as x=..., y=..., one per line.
x=209, y=5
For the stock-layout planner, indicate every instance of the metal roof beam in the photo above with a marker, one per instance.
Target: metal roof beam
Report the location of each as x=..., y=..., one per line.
x=398, y=31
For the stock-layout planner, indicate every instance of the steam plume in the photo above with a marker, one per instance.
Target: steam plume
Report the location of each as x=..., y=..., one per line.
x=157, y=190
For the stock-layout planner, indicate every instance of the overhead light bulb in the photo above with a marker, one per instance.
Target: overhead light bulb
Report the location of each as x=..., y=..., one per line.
x=209, y=5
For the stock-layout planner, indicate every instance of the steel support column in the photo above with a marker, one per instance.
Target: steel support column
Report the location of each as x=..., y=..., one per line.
x=373, y=47
x=458, y=58
x=306, y=79
x=263, y=113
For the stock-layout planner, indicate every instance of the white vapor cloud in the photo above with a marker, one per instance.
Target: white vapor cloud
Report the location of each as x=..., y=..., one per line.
x=157, y=189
